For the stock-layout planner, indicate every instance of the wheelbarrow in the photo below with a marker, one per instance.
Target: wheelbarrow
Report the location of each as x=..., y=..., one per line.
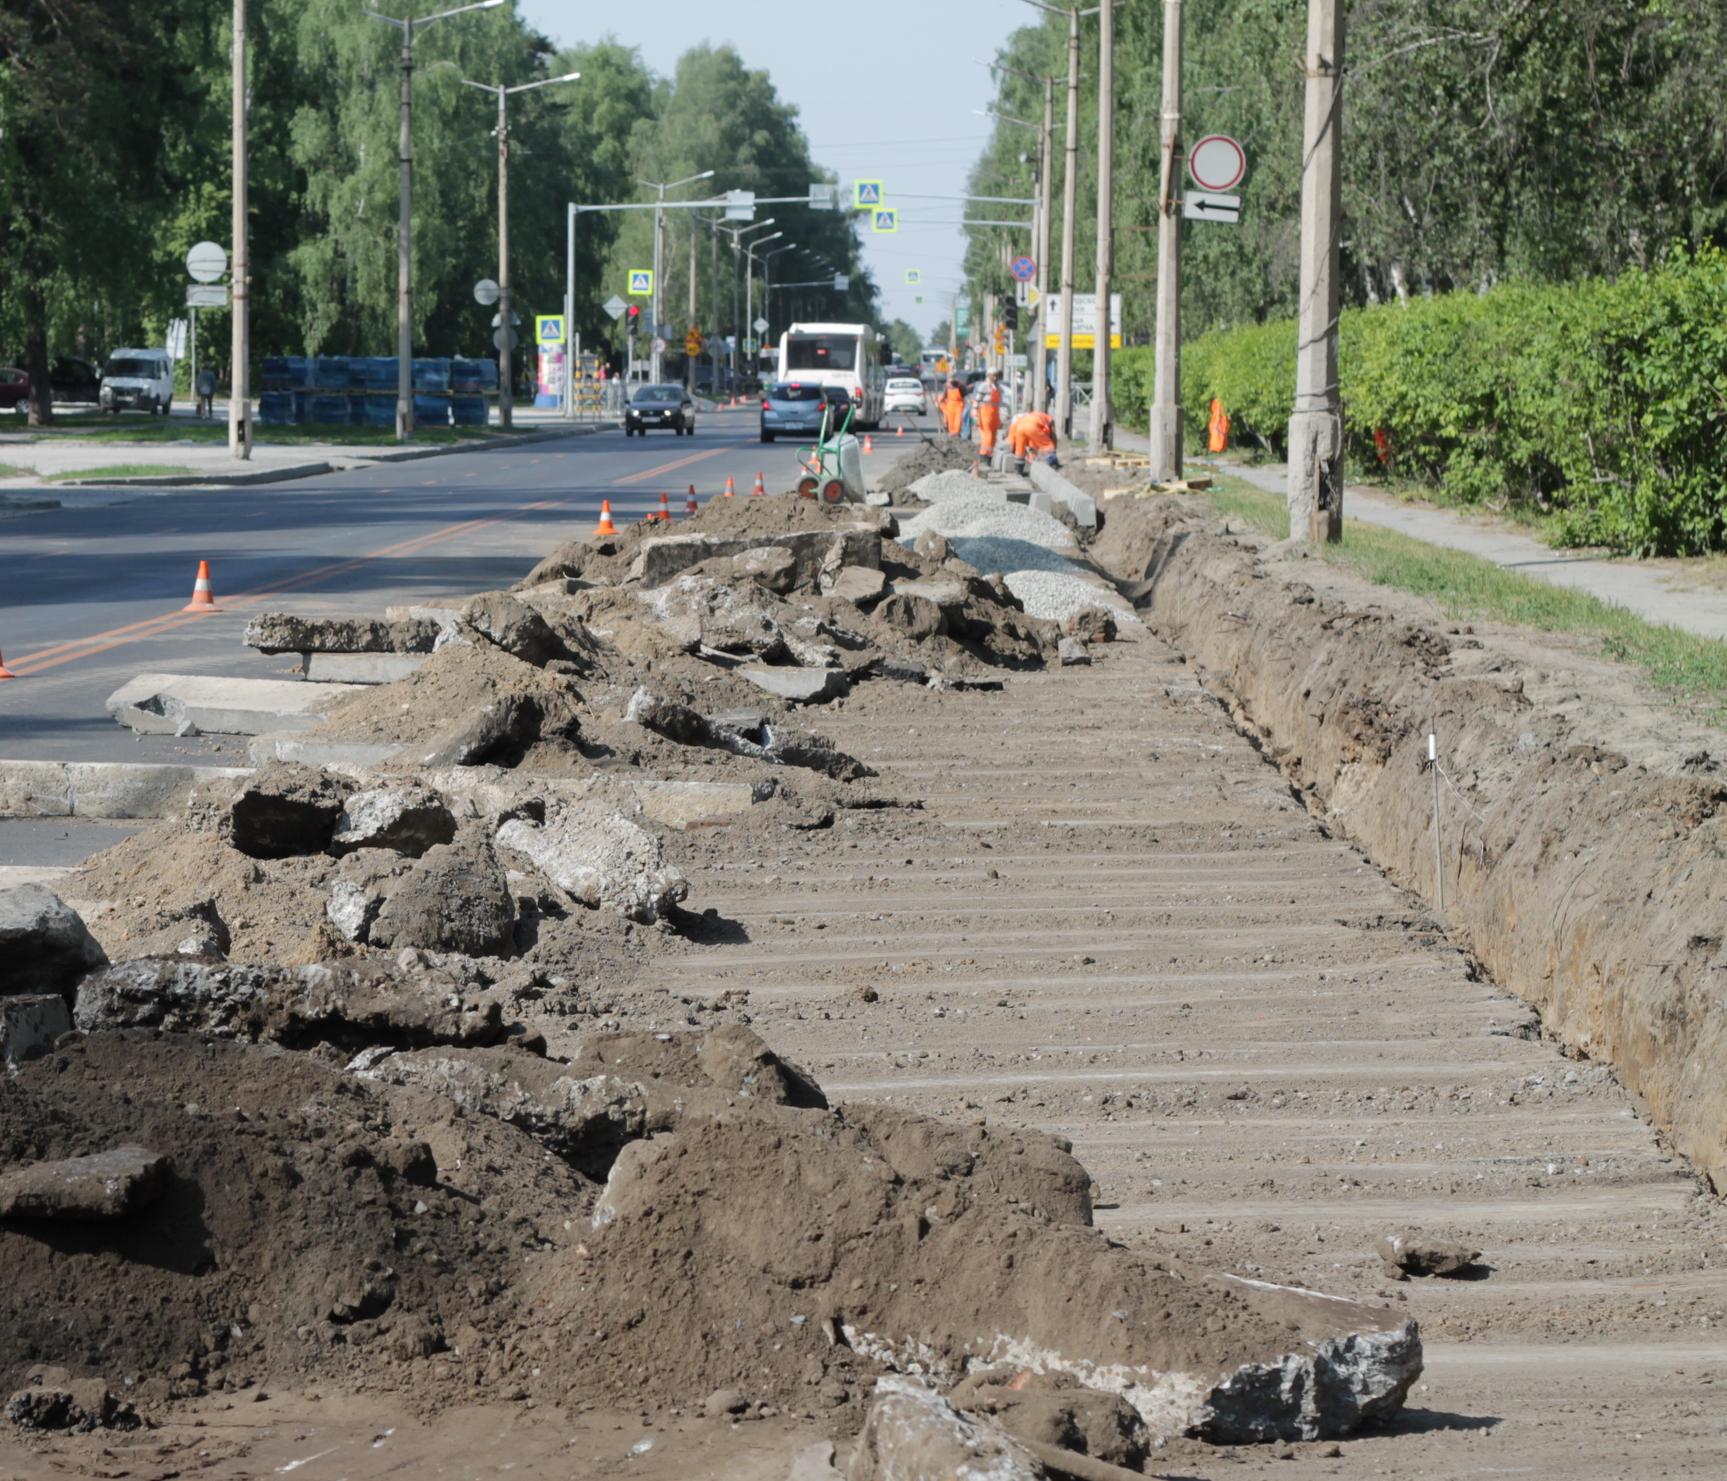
x=833, y=467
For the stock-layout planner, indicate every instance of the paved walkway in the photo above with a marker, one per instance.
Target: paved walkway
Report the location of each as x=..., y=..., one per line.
x=1651, y=590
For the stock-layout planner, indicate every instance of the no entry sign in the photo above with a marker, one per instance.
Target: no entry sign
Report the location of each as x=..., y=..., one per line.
x=1217, y=162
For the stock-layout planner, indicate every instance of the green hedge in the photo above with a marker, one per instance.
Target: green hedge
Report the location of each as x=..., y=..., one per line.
x=1604, y=404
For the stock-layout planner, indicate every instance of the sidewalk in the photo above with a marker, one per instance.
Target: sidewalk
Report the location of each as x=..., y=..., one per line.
x=1654, y=592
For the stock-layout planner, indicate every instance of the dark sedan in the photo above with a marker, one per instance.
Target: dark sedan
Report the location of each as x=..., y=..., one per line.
x=660, y=406
x=14, y=388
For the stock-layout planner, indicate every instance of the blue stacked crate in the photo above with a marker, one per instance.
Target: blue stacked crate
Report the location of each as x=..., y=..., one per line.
x=286, y=379
x=357, y=391
x=381, y=391
x=468, y=391
x=431, y=393
x=328, y=403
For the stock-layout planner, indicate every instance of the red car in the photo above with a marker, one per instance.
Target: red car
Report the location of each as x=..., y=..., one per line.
x=14, y=389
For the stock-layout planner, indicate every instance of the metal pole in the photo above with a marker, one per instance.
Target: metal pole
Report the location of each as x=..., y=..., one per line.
x=1046, y=193
x=506, y=356
x=192, y=346
x=1316, y=424
x=1166, y=451
x=239, y=388
x=1100, y=419
x=689, y=359
x=1069, y=198
x=569, y=307
x=659, y=245
x=405, y=249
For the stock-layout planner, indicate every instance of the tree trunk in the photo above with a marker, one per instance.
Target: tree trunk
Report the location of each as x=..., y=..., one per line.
x=36, y=348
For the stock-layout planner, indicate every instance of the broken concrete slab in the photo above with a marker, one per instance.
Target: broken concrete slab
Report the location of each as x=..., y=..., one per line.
x=859, y=585
x=359, y=668
x=102, y=789
x=349, y=1006
x=29, y=1025
x=1414, y=1253
x=44, y=945
x=312, y=752
x=911, y=1431
x=510, y=624
x=599, y=858
x=772, y=566
x=687, y=806
x=196, y=704
x=498, y=733
x=454, y=899
x=1070, y=651
x=662, y=557
x=405, y=819
x=284, y=809
x=54, y=1400
x=946, y=592
x=283, y=632
x=799, y=685
x=102, y=1186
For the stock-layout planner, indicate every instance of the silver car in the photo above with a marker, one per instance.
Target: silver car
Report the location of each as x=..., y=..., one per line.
x=794, y=409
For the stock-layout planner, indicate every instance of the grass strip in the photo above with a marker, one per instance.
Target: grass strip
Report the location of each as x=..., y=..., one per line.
x=120, y=470
x=1689, y=668
x=145, y=433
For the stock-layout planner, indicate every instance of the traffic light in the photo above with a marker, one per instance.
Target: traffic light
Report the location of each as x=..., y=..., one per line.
x=1010, y=315
x=633, y=317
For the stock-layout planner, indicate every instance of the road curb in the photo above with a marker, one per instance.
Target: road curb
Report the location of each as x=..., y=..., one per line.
x=102, y=789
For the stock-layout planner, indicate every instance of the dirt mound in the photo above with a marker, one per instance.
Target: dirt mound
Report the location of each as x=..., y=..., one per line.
x=933, y=456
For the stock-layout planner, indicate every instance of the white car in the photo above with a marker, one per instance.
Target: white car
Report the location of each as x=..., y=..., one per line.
x=906, y=395
x=142, y=380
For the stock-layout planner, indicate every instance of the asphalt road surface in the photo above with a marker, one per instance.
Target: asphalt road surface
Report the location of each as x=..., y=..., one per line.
x=92, y=596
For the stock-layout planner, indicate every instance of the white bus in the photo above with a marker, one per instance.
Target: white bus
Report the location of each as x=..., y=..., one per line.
x=848, y=355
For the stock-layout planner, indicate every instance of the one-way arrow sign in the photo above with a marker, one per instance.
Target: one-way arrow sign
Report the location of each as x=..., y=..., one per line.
x=1201, y=205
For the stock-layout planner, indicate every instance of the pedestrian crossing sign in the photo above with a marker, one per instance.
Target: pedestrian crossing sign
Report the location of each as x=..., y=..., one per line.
x=549, y=329
x=641, y=282
x=913, y=276
x=885, y=219
x=867, y=193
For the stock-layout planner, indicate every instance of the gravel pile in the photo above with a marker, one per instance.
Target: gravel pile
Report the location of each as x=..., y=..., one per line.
x=939, y=488
x=987, y=518
x=1057, y=595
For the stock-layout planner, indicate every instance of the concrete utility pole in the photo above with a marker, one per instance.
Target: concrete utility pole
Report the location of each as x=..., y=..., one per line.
x=506, y=356
x=405, y=215
x=1166, y=455
x=689, y=359
x=1045, y=205
x=659, y=326
x=1069, y=200
x=239, y=388
x=1316, y=424
x=1100, y=419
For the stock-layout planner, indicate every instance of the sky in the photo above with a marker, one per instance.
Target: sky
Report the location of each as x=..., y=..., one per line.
x=889, y=96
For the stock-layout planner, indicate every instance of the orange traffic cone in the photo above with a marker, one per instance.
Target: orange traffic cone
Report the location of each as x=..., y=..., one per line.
x=605, y=526
x=665, y=514
x=5, y=673
x=869, y=443
x=690, y=505
x=202, y=601
x=731, y=489
x=760, y=489
x=899, y=431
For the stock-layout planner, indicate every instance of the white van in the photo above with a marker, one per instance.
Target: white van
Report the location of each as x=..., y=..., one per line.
x=142, y=380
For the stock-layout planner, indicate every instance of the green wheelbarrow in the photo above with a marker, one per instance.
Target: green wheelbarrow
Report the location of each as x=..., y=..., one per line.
x=833, y=467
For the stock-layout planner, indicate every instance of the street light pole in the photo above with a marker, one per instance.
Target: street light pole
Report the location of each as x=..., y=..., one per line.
x=239, y=386
x=1100, y=420
x=1069, y=202
x=659, y=259
x=405, y=218
x=506, y=354
x=750, y=278
x=1166, y=451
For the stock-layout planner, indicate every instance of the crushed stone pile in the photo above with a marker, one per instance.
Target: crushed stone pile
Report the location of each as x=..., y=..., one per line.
x=656, y=1217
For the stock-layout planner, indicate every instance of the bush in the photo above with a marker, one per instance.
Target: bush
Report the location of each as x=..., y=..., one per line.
x=1602, y=403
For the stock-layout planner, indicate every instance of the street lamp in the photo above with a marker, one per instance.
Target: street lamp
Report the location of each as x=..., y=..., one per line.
x=719, y=224
x=506, y=358
x=659, y=245
x=750, y=279
x=405, y=228
x=767, y=277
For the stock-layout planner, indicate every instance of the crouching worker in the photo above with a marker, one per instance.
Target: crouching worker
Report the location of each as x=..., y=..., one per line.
x=1030, y=435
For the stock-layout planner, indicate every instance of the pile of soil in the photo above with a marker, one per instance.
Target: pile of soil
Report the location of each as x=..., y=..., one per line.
x=934, y=456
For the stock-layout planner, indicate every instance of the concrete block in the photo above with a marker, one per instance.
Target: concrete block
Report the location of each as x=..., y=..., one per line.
x=197, y=704
x=29, y=1025
x=14, y=875
x=331, y=754
x=687, y=806
x=798, y=686
x=101, y=789
x=360, y=668
x=283, y=632
x=662, y=557
x=34, y=789
x=1058, y=486
x=946, y=592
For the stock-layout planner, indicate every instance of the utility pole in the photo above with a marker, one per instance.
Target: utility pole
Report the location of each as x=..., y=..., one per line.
x=1045, y=205
x=1100, y=420
x=1069, y=199
x=506, y=326
x=239, y=388
x=1166, y=454
x=654, y=365
x=689, y=359
x=1316, y=424
x=405, y=215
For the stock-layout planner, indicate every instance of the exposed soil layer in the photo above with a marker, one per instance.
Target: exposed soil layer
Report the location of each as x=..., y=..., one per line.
x=1591, y=885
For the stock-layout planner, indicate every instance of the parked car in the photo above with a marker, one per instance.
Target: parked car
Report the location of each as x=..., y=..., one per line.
x=14, y=389
x=906, y=393
x=660, y=406
x=71, y=379
x=139, y=380
x=794, y=408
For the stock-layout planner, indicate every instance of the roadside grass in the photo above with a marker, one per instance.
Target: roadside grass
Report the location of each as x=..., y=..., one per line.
x=121, y=470
x=9, y=470
x=144, y=432
x=1691, y=669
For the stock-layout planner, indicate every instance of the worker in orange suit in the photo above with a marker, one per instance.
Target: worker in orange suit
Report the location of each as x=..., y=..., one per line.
x=1031, y=434
x=988, y=414
x=952, y=405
